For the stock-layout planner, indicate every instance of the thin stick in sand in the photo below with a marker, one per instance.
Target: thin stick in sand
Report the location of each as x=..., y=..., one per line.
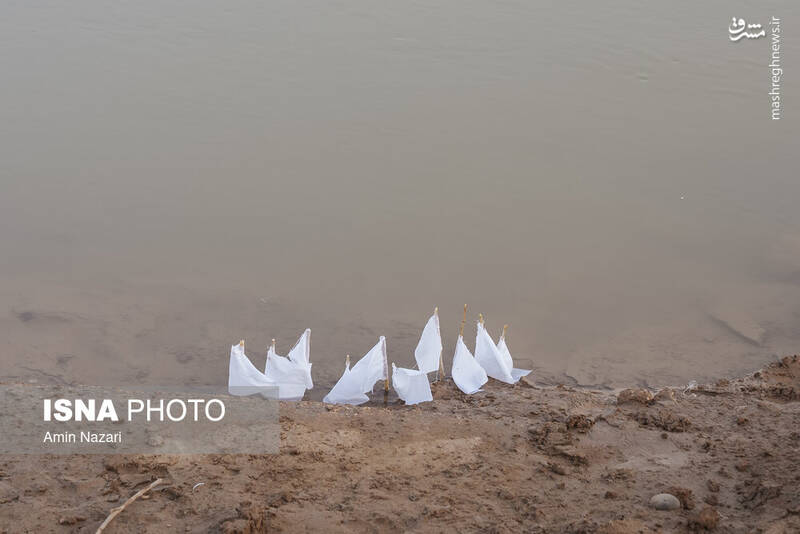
x=116, y=511
x=386, y=376
x=440, y=372
x=464, y=320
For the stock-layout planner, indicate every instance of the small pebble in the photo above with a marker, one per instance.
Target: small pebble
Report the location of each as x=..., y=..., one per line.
x=71, y=519
x=665, y=501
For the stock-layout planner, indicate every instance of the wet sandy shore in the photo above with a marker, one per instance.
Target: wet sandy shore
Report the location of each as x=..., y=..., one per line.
x=512, y=459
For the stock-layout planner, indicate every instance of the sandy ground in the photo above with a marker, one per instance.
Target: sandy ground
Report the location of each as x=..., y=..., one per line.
x=512, y=459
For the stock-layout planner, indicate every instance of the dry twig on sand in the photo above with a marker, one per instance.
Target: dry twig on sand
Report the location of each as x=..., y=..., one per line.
x=118, y=509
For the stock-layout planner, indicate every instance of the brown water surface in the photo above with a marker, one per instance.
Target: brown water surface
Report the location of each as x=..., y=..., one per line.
x=604, y=177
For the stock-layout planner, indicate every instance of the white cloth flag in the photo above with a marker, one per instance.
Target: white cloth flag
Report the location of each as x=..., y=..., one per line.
x=411, y=385
x=288, y=376
x=372, y=367
x=361, y=378
x=292, y=374
x=497, y=365
x=468, y=375
x=243, y=377
x=429, y=348
x=300, y=355
x=346, y=391
x=487, y=355
x=516, y=374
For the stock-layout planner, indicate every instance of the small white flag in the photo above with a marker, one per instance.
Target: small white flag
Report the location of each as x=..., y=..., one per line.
x=429, y=348
x=292, y=373
x=496, y=359
x=372, y=367
x=412, y=386
x=346, y=391
x=468, y=375
x=516, y=374
x=300, y=355
x=487, y=355
x=355, y=383
x=290, y=378
x=243, y=377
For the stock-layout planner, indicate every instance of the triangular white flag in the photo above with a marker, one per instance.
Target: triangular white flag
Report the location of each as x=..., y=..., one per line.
x=346, y=390
x=243, y=377
x=372, y=367
x=300, y=355
x=429, y=348
x=516, y=374
x=468, y=375
x=355, y=383
x=412, y=386
x=487, y=355
x=290, y=377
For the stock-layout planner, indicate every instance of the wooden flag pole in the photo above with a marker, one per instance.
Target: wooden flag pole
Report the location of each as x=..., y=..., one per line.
x=347, y=360
x=385, y=375
x=503, y=335
x=480, y=318
x=440, y=373
x=464, y=320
